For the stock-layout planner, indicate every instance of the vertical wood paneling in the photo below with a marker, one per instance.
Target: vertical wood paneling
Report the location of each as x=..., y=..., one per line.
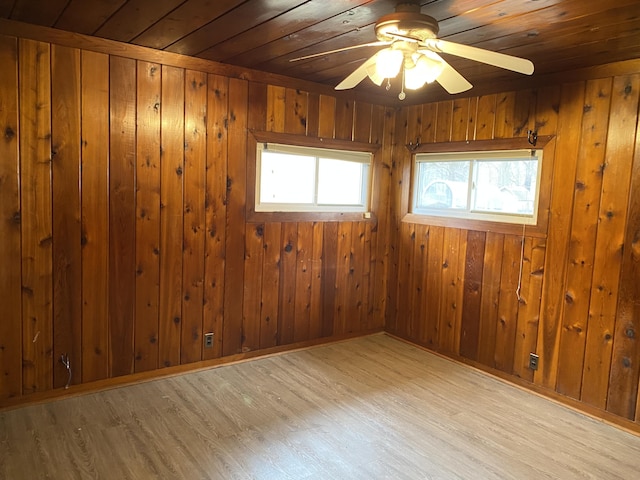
x=67, y=266
x=356, y=277
x=313, y=114
x=327, y=113
x=490, y=298
x=570, y=112
x=344, y=119
x=625, y=361
x=362, y=122
x=524, y=112
x=419, y=263
x=253, y=279
x=485, y=117
x=171, y=219
x=470, y=323
x=628, y=321
x=270, y=285
x=295, y=115
x=195, y=151
x=147, y=216
x=398, y=190
x=329, y=271
x=276, y=97
x=508, y=303
x=95, y=216
x=401, y=315
x=381, y=188
x=616, y=170
x=504, y=118
x=122, y=103
x=588, y=186
x=236, y=205
x=460, y=120
x=343, y=254
x=433, y=285
x=429, y=119
x=443, y=122
x=215, y=211
x=304, y=250
x=36, y=215
x=529, y=307
x=317, y=278
x=10, y=220
x=448, y=324
x=287, y=312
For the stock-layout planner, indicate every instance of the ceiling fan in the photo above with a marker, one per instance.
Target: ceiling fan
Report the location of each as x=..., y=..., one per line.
x=412, y=48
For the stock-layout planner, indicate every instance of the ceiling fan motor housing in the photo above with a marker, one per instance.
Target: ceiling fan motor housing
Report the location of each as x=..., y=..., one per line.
x=408, y=22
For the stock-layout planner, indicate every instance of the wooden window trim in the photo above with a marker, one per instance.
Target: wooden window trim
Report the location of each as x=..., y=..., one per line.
x=256, y=137
x=546, y=143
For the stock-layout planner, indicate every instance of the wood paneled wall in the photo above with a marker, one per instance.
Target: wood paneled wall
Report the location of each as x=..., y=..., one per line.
x=123, y=230
x=579, y=308
x=124, y=234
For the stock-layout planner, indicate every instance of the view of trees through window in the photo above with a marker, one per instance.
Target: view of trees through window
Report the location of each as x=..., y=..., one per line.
x=486, y=182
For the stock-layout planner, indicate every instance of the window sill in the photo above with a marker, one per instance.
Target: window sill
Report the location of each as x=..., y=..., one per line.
x=477, y=225
x=267, y=217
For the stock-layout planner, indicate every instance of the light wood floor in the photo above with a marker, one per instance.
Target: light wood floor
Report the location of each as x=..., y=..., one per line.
x=367, y=408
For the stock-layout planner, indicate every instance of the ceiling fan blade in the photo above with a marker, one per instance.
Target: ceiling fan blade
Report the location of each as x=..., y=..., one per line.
x=358, y=74
x=450, y=79
x=508, y=62
x=344, y=49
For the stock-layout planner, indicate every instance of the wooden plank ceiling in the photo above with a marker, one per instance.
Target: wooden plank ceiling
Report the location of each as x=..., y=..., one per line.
x=557, y=35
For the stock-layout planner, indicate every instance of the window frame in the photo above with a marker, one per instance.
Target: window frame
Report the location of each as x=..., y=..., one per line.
x=474, y=161
x=539, y=229
x=256, y=137
x=363, y=159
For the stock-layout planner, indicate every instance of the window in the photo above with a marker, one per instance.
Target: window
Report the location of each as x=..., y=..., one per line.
x=292, y=178
x=500, y=186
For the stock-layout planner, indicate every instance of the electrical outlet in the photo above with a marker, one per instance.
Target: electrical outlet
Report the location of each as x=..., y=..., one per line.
x=208, y=340
x=533, y=361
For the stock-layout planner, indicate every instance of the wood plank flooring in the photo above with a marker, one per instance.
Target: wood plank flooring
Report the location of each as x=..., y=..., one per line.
x=368, y=408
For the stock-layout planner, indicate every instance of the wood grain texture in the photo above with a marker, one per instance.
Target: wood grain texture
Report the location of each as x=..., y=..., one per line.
x=122, y=115
x=269, y=301
x=171, y=214
x=149, y=84
x=67, y=266
x=625, y=368
x=195, y=151
x=10, y=219
x=95, y=216
x=215, y=211
x=236, y=209
x=470, y=324
x=253, y=264
x=288, y=260
x=325, y=412
x=36, y=215
x=588, y=189
x=570, y=109
x=304, y=264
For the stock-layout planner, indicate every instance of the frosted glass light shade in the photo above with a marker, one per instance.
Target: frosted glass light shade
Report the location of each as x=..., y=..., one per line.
x=388, y=63
x=426, y=70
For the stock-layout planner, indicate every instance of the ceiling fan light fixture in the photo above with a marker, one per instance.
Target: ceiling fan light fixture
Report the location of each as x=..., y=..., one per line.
x=388, y=63
x=423, y=69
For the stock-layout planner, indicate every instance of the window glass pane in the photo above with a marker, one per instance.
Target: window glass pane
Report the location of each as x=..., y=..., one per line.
x=340, y=182
x=286, y=178
x=505, y=186
x=442, y=185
